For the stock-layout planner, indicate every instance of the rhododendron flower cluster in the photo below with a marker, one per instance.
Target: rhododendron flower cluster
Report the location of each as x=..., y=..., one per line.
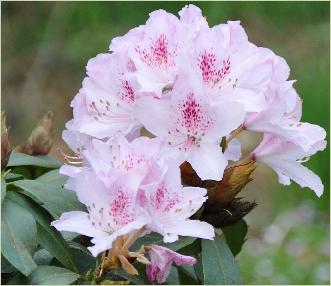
x=190, y=86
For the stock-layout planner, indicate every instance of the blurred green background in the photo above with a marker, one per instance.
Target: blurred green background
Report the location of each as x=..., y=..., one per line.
x=46, y=45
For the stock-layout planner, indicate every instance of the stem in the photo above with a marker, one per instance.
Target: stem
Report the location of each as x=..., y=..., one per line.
x=234, y=133
x=103, y=258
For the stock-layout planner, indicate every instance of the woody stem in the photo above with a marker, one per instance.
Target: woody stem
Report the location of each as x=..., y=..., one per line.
x=235, y=133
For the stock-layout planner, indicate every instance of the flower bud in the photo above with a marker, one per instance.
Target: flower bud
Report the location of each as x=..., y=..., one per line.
x=235, y=178
x=5, y=146
x=220, y=193
x=40, y=140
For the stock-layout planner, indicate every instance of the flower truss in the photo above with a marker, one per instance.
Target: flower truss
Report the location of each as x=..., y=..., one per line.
x=194, y=88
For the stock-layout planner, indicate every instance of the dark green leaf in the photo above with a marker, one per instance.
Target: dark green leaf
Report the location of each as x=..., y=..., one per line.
x=18, y=279
x=55, y=199
x=198, y=268
x=173, y=278
x=52, y=275
x=53, y=177
x=39, y=214
x=21, y=159
x=192, y=249
x=3, y=189
x=6, y=267
x=10, y=177
x=219, y=266
x=67, y=235
x=183, y=241
x=136, y=279
x=235, y=236
x=53, y=242
x=18, y=236
x=47, y=236
x=187, y=275
x=42, y=257
x=84, y=260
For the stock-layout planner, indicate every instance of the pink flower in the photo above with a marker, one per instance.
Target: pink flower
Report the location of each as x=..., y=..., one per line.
x=192, y=20
x=170, y=206
x=112, y=211
x=161, y=260
x=232, y=68
x=153, y=48
x=191, y=125
x=285, y=159
x=111, y=92
x=117, y=157
x=281, y=116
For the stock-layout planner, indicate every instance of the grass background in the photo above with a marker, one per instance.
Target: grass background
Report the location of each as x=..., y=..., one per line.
x=46, y=45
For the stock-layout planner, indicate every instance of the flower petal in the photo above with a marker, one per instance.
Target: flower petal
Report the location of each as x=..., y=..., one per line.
x=76, y=221
x=208, y=161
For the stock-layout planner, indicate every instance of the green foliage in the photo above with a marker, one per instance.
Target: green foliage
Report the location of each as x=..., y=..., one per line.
x=235, y=236
x=18, y=236
x=3, y=189
x=20, y=159
x=51, y=275
x=53, y=197
x=219, y=266
x=28, y=243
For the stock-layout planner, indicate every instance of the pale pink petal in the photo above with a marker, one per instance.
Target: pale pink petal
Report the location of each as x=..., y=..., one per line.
x=208, y=161
x=76, y=221
x=154, y=114
x=228, y=117
x=105, y=241
x=194, y=228
x=300, y=174
x=233, y=150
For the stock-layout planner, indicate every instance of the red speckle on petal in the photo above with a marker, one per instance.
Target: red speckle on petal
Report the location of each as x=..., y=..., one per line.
x=192, y=116
x=127, y=93
x=121, y=208
x=158, y=53
x=209, y=66
x=163, y=199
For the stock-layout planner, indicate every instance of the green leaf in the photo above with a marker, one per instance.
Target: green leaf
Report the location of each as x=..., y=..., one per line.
x=53, y=177
x=183, y=241
x=10, y=177
x=52, y=275
x=6, y=267
x=18, y=236
x=198, y=268
x=48, y=237
x=219, y=266
x=18, y=279
x=187, y=275
x=76, y=245
x=83, y=258
x=235, y=236
x=3, y=189
x=173, y=278
x=42, y=257
x=136, y=279
x=21, y=159
x=54, y=198
x=53, y=241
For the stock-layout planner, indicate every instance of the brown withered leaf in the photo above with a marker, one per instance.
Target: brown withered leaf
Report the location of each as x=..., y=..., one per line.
x=40, y=140
x=5, y=145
